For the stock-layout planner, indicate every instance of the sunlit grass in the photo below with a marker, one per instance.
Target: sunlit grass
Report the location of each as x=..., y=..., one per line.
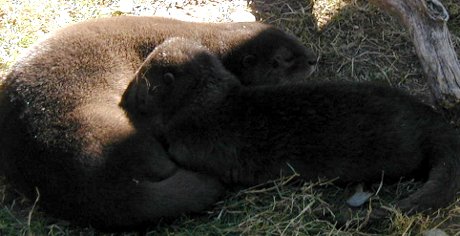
x=23, y=22
x=324, y=11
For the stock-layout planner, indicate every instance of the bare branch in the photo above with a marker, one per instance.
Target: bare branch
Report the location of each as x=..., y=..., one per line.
x=426, y=22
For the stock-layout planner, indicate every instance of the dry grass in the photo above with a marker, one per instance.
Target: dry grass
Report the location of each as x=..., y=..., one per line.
x=355, y=41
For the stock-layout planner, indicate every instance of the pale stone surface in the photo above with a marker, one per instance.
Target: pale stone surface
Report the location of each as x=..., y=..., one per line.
x=435, y=232
x=196, y=11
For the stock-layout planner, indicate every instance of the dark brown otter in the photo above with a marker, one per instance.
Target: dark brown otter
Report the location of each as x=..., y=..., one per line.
x=65, y=135
x=247, y=135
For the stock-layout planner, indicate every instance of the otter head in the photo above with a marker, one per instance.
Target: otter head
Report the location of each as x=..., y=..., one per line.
x=271, y=57
x=178, y=74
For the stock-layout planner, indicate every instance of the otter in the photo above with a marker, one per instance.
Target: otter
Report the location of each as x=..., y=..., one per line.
x=66, y=139
x=208, y=122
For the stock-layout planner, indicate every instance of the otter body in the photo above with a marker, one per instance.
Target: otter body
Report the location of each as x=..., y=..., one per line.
x=65, y=137
x=247, y=135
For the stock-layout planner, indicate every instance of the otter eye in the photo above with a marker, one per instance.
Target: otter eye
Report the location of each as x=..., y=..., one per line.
x=151, y=90
x=312, y=62
x=249, y=60
x=168, y=78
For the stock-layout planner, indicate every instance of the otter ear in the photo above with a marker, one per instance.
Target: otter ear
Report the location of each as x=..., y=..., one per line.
x=168, y=78
x=249, y=61
x=129, y=98
x=142, y=95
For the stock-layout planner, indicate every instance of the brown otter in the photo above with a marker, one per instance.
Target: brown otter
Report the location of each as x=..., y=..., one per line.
x=65, y=135
x=248, y=135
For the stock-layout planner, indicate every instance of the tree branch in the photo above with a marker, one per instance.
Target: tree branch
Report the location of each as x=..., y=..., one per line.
x=426, y=22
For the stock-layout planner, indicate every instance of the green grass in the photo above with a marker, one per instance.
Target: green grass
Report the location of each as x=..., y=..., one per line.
x=358, y=43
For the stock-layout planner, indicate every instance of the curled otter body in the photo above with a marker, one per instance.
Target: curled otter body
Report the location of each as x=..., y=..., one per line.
x=248, y=135
x=65, y=135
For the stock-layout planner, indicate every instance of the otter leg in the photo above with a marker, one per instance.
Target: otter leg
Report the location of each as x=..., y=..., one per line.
x=134, y=204
x=444, y=177
x=437, y=192
x=140, y=185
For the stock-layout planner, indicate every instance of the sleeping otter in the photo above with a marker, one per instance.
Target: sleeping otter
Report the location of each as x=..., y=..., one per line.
x=65, y=136
x=247, y=135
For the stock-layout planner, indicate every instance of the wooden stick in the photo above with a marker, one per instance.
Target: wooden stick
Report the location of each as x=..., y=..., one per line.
x=426, y=22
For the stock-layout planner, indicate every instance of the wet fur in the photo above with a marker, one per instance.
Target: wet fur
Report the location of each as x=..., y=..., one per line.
x=65, y=135
x=209, y=122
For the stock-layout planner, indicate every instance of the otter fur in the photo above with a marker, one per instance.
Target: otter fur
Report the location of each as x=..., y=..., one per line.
x=210, y=123
x=66, y=138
